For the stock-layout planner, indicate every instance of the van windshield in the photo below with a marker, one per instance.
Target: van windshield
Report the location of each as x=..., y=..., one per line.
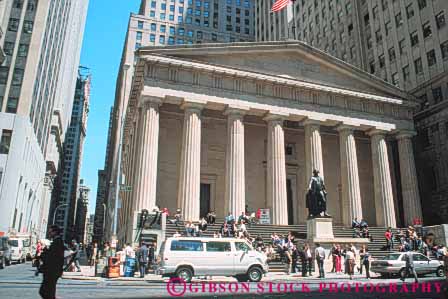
x=14, y=243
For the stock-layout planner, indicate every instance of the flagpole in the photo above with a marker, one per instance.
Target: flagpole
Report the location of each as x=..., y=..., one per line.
x=293, y=20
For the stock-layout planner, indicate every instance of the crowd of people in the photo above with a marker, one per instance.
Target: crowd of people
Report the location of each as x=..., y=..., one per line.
x=361, y=229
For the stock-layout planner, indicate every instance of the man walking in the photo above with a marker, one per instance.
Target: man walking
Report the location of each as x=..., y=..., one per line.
x=320, y=258
x=410, y=268
x=142, y=255
x=53, y=263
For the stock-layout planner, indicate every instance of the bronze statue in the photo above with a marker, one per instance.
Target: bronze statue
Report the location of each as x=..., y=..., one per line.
x=316, y=197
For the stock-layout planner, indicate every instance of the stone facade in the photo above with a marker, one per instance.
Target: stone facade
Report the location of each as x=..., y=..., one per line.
x=228, y=132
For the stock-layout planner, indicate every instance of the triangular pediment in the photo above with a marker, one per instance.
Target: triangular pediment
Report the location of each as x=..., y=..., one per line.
x=294, y=60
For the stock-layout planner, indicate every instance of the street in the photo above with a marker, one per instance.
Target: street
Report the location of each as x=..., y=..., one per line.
x=18, y=281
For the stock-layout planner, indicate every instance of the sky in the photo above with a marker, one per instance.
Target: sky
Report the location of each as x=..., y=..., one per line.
x=101, y=52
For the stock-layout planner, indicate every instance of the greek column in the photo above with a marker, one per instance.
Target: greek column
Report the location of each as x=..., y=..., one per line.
x=235, y=170
x=384, y=202
x=148, y=153
x=313, y=148
x=351, y=194
x=190, y=164
x=276, y=175
x=409, y=184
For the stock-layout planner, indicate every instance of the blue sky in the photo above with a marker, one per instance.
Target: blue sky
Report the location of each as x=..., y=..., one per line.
x=103, y=43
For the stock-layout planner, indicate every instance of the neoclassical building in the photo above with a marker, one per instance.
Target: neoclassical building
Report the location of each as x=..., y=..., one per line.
x=221, y=126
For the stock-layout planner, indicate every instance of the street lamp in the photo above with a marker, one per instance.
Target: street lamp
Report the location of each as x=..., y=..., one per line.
x=55, y=210
x=117, y=183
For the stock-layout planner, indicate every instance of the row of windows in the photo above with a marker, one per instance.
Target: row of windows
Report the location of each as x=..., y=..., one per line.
x=418, y=64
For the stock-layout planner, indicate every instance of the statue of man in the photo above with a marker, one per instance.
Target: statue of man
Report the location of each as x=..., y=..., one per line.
x=317, y=196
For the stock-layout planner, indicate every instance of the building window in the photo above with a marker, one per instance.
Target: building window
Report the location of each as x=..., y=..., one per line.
x=444, y=49
x=431, y=55
x=372, y=67
x=418, y=66
x=152, y=38
x=153, y=27
x=427, y=30
x=4, y=70
x=140, y=25
x=388, y=28
x=440, y=20
x=17, y=77
x=11, y=106
x=437, y=95
x=406, y=73
x=414, y=38
x=378, y=36
x=13, y=24
x=139, y=35
x=381, y=60
x=421, y=4
x=410, y=11
x=398, y=20
x=28, y=26
x=392, y=55
x=395, y=79
x=5, y=142
x=163, y=28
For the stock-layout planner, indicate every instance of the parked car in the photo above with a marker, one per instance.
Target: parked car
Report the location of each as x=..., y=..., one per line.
x=18, y=250
x=5, y=252
x=189, y=257
x=395, y=263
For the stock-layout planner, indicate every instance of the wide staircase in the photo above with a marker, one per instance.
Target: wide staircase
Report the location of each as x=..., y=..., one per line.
x=376, y=247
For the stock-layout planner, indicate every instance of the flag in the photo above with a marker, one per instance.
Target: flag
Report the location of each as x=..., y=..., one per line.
x=279, y=5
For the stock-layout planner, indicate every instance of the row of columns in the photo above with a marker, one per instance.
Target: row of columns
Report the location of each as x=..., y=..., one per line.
x=145, y=180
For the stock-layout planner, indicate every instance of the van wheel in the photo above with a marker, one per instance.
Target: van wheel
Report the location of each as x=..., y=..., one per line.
x=402, y=273
x=242, y=278
x=440, y=272
x=2, y=266
x=8, y=262
x=255, y=274
x=184, y=273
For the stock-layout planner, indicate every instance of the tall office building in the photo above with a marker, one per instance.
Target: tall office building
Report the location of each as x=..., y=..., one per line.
x=175, y=22
x=64, y=202
x=36, y=95
x=81, y=212
x=403, y=42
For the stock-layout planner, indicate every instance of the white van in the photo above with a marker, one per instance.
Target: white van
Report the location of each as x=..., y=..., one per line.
x=18, y=249
x=188, y=257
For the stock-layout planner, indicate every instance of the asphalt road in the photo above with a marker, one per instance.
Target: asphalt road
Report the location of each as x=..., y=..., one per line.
x=18, y=281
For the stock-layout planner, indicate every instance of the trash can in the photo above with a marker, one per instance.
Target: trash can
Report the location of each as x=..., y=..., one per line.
x=129, y=267
x=100, y=267
x=113, y=267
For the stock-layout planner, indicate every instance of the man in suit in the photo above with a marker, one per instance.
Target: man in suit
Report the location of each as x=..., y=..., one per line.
x=142, y=255
x=53, y=263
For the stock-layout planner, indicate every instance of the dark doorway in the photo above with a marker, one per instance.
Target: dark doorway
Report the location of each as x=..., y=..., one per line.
x=205, y=200
x=290, y=203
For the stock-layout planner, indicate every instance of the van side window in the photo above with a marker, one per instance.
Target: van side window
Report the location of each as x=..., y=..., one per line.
x=241, y=246
x=218, y=246
x=182, y=245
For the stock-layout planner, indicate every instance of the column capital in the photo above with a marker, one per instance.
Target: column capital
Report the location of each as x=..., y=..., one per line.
x=146, y=99
x=275, y=116
x=345, y=127
x=405, y=134
x=236, y=111
x=377, y=132
x=312, y=122
x=192, y=106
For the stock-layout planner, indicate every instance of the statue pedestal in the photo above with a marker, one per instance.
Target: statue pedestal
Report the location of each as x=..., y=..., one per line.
x=320, y=230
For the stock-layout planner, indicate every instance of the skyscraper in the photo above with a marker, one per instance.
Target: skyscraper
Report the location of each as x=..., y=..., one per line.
x=159, y=23
x=36, y=95
x=402, y=42
x=67, y=196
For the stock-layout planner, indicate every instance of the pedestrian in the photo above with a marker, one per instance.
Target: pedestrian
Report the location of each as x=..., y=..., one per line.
x=338, y=259
x=361, y=258
x=366, y=261
x=36, y=260
x=94, y=255
x=151, y=255
x=211, y=217
x=309, y=258
x=410, y=267
x=295, y=257
x=349, y=262
x=302, y=256
x=388, y=236
x=129, y=253
x=333, y=254
x=53, y=263
x=320, y=258
x=142, y=255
